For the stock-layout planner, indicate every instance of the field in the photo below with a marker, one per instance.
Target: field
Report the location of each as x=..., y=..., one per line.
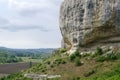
x=28, y=59
x=6, y=69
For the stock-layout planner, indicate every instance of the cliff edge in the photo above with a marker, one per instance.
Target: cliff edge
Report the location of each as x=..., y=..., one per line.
x=86, y=23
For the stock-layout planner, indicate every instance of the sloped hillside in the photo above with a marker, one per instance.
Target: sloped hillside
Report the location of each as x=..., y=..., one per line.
x=101, y=65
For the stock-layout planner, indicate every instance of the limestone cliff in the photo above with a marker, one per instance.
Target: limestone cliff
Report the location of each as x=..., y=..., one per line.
x=89, y=21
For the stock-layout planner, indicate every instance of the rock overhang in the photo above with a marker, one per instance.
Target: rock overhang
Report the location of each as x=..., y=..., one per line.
x=88, y=21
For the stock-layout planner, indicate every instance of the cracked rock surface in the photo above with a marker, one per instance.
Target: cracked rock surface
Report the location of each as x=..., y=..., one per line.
x=88, y=21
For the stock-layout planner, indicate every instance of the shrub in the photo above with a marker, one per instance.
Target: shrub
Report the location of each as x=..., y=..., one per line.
x=52, y=66
x=43, y=70
x=30, y=64
x=74, y=55
x=48, y=62
x=62, y=50
x=76, y=78
x=63, y=62
x=77, y=62
x=116, y=77
x=110, y=57
x=98, y=52
x=86, y=55
x=101, y=59
x=58, y=61
x=77, y=53
x=89, y=73
x=54, y=79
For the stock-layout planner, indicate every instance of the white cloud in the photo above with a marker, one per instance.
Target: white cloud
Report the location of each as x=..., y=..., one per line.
x=30, y=23
x=3, y=21
x=28, y=5
x=6, y=24
x=30, y=39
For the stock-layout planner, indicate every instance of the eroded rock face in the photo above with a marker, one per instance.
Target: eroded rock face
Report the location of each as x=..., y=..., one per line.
x=85, y=21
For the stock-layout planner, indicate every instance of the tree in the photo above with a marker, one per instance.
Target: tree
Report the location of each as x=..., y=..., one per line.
x=30, y=64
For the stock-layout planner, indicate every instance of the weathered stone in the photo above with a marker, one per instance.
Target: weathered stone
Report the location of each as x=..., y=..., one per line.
x=87, y=21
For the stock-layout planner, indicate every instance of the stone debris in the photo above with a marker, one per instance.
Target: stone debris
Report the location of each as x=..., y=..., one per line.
x=41, y=77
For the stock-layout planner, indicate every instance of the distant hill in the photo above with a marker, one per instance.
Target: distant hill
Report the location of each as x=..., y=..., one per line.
x=41, y=52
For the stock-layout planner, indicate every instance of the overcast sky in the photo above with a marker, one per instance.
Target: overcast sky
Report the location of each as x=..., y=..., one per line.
x=30, y=23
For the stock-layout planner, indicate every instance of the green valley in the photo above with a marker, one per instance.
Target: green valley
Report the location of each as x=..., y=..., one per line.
x=95, y=66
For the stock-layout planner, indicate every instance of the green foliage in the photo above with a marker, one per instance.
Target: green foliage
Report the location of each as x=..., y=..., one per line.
x=87, y=55
x=114, y=74
x=76, y=78
x=18, y=76
x=77, y=61
x=101, y=59
x=62, y=50
x=52, y=66
x=30, y=64
x=54, y=79
x=43, y=70
x=98, y=52
x=89, y=73
x=72, y=57
x=7, y=57
x=63, y=62
x=10, y=59
x=75, y=55
x=59, y=61
x=14, y=55
x=48, y=62
x=110, y=57
x=115, y=77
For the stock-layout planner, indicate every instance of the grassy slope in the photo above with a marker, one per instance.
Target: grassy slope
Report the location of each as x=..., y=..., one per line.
x=89, y=70
x=68, y=70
